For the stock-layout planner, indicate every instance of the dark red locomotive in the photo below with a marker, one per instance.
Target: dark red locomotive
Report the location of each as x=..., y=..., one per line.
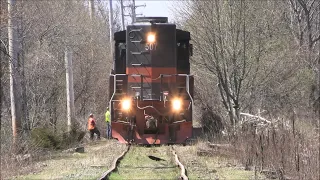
x=151, y=89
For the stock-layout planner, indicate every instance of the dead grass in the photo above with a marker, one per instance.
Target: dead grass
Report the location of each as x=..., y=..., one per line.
x=287, y=151
x=212, y=163
x=97, y=158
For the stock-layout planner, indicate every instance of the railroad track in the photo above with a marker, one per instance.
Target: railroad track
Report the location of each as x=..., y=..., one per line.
x=161, y=162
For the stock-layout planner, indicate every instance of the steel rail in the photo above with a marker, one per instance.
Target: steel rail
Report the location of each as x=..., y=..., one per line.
x=105, y=176
x=183, y=175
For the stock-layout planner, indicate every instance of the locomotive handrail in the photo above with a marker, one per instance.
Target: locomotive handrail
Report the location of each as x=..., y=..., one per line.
x=188, y=88
x=114, y=86
x=181, y=121
x=138, y=41
x=160, y=76
x=136, y=75
x=145, y=107
x=136, y=30
x=140, y=64
x=131, y=32
x=139, y=52
x=169, y=75
x=187, y=82
x=114, y=89
x=135, y=53
x=124, y=122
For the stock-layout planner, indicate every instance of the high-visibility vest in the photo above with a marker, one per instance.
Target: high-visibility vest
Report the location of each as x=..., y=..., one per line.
x=107, y=115
x=91, y=123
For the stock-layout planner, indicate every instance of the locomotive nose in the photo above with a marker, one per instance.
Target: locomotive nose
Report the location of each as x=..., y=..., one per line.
x=151, y=89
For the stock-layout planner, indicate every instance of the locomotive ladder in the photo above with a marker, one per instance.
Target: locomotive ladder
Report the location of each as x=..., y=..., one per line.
x=143, y=90
x=132, y=35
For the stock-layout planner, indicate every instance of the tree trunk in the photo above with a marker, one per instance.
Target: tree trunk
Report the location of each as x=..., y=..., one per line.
x=25, y=116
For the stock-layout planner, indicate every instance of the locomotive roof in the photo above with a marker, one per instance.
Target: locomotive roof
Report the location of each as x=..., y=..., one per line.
x=152, y=19
x=182, y=35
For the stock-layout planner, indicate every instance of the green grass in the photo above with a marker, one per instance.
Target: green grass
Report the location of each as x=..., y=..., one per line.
x=137, y=164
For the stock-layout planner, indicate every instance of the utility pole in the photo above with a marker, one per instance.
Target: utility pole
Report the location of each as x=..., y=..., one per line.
x=111, y=31
x=318, y=93
x=92, y=12
x=132, y=14
x=91, y=8
x=70, y=92
x=133, y=11
x=15, y=83
x=122, y=15
x=92, y=18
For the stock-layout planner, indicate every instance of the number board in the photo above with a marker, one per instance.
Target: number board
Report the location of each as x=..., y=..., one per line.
x=151, y=46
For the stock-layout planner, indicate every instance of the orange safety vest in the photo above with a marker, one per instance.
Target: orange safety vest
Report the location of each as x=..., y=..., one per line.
x=91, y=123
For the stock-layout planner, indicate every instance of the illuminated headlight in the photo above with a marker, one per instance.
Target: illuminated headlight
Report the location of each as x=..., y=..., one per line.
x=126, y=104
x=176, y=104
x=151, y=38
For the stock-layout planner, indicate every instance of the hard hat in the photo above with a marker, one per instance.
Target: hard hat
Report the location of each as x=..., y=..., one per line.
x=90, y=115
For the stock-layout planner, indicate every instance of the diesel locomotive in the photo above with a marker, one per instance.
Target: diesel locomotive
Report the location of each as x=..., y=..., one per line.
x=151, y=88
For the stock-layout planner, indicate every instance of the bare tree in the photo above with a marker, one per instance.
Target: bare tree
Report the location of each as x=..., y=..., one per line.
x=47, y=27
x=304, y=25
x=229, y=45
x=245, y=52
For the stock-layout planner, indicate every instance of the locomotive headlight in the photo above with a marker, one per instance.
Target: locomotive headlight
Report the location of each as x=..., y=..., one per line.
x=126, y=104
x=176, y=105
x=151, y=38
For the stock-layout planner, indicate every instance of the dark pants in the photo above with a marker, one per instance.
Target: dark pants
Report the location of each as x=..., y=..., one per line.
x=109, y=130
x=92, y=131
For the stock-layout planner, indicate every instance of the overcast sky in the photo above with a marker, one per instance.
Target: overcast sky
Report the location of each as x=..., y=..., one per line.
x=155, y=8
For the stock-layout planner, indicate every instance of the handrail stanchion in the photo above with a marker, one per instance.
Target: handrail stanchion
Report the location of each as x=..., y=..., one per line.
x=187, y=83
x=141, y=86
x=114, y=89
x=188, y=88
x=161, y=91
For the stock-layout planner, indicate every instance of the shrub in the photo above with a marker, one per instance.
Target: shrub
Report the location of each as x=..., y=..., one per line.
x=211, y=122
x=45, y=138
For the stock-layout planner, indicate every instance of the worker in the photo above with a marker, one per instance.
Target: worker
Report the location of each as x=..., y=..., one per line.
x=92, y=127
x=108, y=121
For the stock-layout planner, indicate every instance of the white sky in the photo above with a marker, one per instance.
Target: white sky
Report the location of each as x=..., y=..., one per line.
x=155, y=8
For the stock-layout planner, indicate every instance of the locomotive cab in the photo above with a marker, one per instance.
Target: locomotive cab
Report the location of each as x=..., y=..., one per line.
x=151, y=89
